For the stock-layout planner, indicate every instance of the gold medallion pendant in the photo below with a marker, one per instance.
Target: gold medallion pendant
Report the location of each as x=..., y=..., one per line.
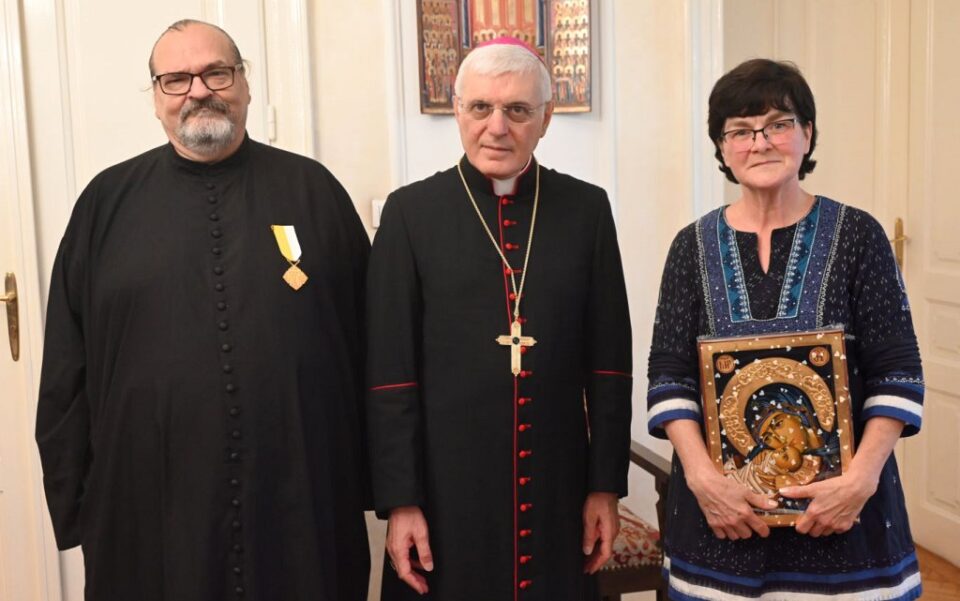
x=295, y=277
x=286, y=236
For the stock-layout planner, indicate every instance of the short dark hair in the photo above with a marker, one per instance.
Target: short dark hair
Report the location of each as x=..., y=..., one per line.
x=753, y=88
x=183, y=24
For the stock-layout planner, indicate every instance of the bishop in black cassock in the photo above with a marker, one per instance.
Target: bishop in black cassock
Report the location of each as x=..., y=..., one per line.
x=200, y=419
x=493, y=440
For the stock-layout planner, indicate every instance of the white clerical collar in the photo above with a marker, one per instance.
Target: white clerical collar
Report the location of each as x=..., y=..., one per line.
x=503, y=187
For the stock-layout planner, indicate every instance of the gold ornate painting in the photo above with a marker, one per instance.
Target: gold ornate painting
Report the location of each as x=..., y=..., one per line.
x=777, y=412
x=559, y=30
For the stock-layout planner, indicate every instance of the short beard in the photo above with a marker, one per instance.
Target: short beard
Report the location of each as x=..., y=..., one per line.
x=210, y=134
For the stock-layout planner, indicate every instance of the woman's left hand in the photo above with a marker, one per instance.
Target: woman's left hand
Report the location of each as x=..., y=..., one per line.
x=835, y=503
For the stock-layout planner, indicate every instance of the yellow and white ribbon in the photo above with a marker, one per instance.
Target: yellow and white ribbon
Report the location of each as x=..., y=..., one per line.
x=286, y=237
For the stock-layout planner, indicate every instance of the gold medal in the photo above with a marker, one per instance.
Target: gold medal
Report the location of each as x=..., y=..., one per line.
x=289, y=246
x=295, y=277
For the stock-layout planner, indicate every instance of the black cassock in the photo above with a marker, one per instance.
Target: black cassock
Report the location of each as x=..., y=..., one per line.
x=500, y=465
x=199, y=420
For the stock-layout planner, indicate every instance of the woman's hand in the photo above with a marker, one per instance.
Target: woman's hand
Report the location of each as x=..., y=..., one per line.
x=835, y=503
x=729, y=506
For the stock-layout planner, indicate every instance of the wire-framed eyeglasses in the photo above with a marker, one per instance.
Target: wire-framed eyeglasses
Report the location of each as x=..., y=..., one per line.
x=216, y=79
x=517, y=112
x=743, y=138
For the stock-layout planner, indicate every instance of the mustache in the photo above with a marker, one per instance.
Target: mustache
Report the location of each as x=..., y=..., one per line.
x=192, y=107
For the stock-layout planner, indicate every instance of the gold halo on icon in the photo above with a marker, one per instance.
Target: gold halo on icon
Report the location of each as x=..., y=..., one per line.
x=760, y=373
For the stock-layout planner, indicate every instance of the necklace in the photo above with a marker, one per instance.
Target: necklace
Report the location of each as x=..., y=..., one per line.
x=515, y=339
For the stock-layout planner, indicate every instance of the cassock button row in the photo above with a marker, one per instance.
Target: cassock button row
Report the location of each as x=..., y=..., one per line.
x=524, y=559
x=219, y=287
x=237, y=570
x=235, y=434
x=212, y=199
x=524, y=400
x=239, y=590
x=234, y=411
x=525, y=584
x=227, y=368
x=236, y=525
x=216, y=233
x=214, y=217
x=524, y=427
x=216, y=250
x=217, y=269
x=224, y=326
x=237, y=548
x=234, y=482
x=234, y=455
x=524, y=480
x=235, y=502
x=525, y=533
x=221, y=306
x=226, y=348
x=525, y=453
x=525, y=507
x=231, y=388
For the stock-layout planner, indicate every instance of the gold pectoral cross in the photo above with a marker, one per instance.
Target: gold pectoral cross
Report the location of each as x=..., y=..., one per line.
x=515, y=340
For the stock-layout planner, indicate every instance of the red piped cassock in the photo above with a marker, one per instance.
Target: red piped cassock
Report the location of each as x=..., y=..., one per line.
x=501, y=465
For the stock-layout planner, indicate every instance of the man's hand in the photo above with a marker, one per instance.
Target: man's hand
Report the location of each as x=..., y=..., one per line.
x=600, y=526
x=728, y=505
x=405, y=528
x=836, y=503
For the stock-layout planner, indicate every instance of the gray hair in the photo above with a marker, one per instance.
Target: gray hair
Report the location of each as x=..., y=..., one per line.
x=183, y=24
x=498, y=59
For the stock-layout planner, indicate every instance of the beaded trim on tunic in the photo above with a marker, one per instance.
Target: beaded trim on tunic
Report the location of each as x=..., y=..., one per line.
x=725, y=291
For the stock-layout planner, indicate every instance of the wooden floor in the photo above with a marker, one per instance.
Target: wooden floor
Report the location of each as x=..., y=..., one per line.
x=941, y=579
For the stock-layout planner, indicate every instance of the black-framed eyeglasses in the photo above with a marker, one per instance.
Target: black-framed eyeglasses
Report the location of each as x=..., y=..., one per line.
x=216, y=79
x=517, y=112
x=742, y=138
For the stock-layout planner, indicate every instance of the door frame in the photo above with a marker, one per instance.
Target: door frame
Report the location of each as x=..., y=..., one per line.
x=13, y=106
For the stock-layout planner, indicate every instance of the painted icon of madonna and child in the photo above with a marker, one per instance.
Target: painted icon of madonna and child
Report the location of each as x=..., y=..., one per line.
x=777, y=412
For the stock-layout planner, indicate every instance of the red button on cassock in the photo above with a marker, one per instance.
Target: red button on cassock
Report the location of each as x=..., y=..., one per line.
x=524, y=480
x=506, y=201
x=511, y=246
x=525, y=584
x=524, y=373
x=525, y=453
x=525, y=559
x=509, y=223
x=525, y=533
x=524, y=400
x=523, y=350
x=524, y=427
x=526, y=506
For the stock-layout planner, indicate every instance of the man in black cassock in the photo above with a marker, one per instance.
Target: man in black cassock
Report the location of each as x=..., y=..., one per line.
x=499, y=366
x=200, y=409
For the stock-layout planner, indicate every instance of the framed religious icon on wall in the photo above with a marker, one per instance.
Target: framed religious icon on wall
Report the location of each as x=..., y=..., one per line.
x=559, y=30
x=777, y=412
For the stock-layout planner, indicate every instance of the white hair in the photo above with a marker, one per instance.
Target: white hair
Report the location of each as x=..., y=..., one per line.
x=498, y=59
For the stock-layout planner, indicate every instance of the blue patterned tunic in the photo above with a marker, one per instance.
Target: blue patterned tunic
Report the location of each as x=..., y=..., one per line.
x=833, y=267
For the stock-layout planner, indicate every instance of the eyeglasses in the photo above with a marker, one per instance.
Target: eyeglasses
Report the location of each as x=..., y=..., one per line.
x=743, y=138
x=178, y=84
x=516, y=112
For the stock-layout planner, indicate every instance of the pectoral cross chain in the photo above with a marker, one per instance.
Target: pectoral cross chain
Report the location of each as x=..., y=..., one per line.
x=516, y=340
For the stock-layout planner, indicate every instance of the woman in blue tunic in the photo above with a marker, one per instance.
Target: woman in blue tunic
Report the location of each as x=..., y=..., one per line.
x=782, y=260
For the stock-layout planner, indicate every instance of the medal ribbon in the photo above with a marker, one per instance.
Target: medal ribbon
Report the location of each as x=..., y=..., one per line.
x=286, y=237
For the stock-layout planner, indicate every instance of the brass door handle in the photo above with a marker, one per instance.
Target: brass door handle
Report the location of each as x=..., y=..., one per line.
x=898, y=240
x=13, y=314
